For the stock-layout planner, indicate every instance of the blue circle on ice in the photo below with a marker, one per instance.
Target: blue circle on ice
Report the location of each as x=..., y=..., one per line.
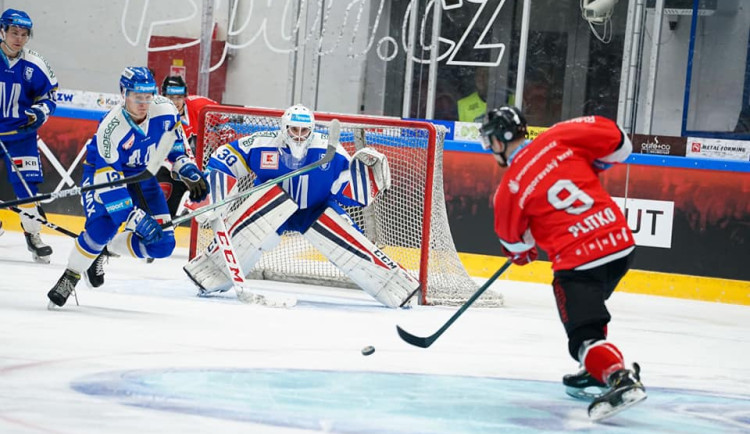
x=342, y=401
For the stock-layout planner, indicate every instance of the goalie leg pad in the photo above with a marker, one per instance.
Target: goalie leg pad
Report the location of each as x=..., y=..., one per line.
x=252, y=228
x=357, y=257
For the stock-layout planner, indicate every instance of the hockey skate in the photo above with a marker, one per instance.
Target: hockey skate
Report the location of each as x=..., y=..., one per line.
x=94, y=275
x=39, y=251
x=582, y=385
x=625, y=391
x=59, y=293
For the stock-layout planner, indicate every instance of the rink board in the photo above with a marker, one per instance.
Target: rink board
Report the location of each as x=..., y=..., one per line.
x=636, y=281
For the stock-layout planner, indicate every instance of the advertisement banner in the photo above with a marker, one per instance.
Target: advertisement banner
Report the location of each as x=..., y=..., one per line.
x=87, y=100
x=65, y=139
x=650, y=220
x=701, y=147
x=684, y=221
x=469, y=131
x=658, y=145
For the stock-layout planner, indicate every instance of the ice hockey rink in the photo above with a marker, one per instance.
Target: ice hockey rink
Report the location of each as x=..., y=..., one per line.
x=143, y=354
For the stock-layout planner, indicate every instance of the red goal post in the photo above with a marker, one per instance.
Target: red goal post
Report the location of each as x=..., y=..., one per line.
x=408, y=222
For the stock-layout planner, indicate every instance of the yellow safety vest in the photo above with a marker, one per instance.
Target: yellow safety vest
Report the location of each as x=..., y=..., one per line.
x=471, y=108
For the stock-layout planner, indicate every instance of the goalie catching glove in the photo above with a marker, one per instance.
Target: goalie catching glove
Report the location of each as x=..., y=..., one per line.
x=370, y=175
x=186, y=171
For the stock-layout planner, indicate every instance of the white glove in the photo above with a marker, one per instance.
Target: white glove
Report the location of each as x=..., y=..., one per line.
x=378, y=164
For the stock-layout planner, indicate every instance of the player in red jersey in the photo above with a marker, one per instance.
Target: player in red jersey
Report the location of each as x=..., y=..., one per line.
x=175, y=88
x=551, y=195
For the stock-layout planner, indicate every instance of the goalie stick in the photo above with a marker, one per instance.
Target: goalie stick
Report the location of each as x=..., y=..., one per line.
x=154, y=162
x=237, y=274
x=403, y=303
x=424, y=342
x=333, y=141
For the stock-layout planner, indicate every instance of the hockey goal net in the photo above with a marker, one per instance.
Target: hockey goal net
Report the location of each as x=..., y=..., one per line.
x=409, y=222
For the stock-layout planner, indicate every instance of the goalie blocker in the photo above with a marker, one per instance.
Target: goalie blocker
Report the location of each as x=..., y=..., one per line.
x=254, y=227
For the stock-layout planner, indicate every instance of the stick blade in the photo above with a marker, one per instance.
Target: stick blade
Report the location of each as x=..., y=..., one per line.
x=334, y=131
x=414, y=340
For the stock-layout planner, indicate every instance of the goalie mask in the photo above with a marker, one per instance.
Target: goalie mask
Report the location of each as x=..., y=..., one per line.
x=297, y=124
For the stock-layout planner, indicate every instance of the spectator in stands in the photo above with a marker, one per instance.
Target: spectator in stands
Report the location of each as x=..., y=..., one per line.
x=473, y=107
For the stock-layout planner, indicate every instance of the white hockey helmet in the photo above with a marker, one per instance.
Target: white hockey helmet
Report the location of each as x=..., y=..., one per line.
x=297, y=125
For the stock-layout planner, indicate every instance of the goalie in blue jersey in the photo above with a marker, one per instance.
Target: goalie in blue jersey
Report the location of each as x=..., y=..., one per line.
x=122, y=146
x=28, y=98
x=309, y=203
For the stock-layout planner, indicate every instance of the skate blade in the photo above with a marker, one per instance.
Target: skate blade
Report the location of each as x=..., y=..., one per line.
x=41, y=259
x=586, y=394
x=52, y=306
x=605, y=410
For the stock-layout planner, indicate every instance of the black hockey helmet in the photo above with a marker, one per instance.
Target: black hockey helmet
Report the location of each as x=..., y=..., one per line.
x=506, y=124
x=174, y=85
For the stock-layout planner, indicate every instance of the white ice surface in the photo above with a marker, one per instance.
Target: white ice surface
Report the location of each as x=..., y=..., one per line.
x=147, y=317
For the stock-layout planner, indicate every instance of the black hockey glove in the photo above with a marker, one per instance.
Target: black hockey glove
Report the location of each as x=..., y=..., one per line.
x=193, y=178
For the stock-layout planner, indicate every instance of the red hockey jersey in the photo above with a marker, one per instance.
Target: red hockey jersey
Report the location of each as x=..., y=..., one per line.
x=193, y=105
x=551, y=195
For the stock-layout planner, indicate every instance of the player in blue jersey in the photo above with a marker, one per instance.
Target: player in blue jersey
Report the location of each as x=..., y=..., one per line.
x=27, y=96
x=124, y=141
x=309, y=203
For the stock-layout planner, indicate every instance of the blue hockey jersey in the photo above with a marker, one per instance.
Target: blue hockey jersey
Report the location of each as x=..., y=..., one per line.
x=120, y=148
x=263, y=154
x=24, y=81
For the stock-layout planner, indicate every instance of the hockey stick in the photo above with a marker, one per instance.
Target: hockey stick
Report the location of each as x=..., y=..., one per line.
x=403, y=303
x=231, y=260
x=15, y=169
x=47, y=223
x=335, y=130
x=154, y=162
x=24, y=213
x=425, y=342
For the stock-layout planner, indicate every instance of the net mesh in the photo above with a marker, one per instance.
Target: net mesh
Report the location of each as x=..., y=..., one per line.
x=394, y=221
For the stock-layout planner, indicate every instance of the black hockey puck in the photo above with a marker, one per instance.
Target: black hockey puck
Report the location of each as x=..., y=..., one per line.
x=366, y=351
